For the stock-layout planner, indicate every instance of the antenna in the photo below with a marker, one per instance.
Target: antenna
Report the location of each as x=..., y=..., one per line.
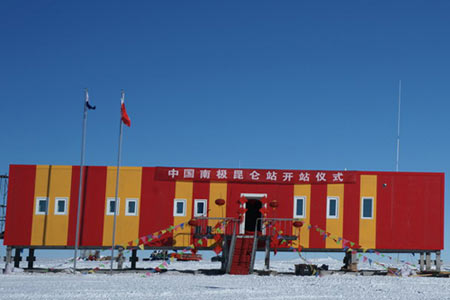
x=398, y=123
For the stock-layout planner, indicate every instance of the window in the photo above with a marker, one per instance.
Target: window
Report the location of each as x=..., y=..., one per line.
x=367, y=208
x=131, y=207
x=299, y=207
x=200, y=207
x=60, y=206
x=332, y=207
x=41, y=205
x=179, y=207
x=111, y=204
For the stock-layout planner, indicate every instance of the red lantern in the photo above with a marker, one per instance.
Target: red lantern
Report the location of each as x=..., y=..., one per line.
x=297, y=224
x=273, y=204
x=220, y=202
x=192, y=222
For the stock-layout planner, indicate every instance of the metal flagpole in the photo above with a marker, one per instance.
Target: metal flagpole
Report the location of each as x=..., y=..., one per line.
x=83, y=147
x=117, y=182
x=398, y=135
x=398, y=124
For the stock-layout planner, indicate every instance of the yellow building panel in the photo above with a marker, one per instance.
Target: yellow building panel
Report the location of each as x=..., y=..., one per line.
x=217, y=190
x=51, y=228
x=335, y=226
x=303, y=190
x=183, y=190
x=367, y=227
x=127, y=225
x=40, y=191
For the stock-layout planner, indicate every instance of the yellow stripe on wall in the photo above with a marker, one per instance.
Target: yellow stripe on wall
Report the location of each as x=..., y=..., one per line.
x=183, y=190
x=305, y=191
x=367, y=227
x=335, y=226
x=217, y=190
x=127, y=227
x=51, y=182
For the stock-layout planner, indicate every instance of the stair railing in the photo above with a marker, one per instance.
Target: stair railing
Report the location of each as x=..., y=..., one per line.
x=231, y=251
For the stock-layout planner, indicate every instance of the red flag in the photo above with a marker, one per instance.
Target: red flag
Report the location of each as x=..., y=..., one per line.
x=125, y=119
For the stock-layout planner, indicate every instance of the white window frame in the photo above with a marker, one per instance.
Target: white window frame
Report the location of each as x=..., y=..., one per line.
x=128, y=200
x=362, y=208
x=328, y=207
x=175, y=201
x=205, y=207
x=304, y=207
x=108, y=201
x=37, y=212
x=66, y=200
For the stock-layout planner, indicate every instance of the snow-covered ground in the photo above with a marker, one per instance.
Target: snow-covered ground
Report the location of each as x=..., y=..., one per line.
x=179, y=284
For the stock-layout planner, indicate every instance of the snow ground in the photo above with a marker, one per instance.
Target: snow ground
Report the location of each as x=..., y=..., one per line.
x=176, y=284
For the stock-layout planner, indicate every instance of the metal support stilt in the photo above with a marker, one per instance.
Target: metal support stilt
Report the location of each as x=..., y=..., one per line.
x=438, y=261
x=422, y=262
x=133, y=259
x=8, y=258
x=428, y=261
x=354, y=262
x=267, y=252
x=225, y=252
x=17, y=258
x=120, y=259
x=31, y=258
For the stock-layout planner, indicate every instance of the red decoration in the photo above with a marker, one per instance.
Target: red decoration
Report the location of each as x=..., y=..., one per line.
x=263, y=210
x=192, y=222
x=220, y=202
x=243, y=200
x=297, y=224
x=242, y=210
x=273, y=204
x=218, y=249
x=217, y=237
x=264, y=200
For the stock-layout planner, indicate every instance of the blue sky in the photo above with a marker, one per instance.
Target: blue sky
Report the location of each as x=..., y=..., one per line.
x=267, y=84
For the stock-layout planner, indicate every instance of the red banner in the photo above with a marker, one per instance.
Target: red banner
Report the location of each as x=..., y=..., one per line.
x=255, y=175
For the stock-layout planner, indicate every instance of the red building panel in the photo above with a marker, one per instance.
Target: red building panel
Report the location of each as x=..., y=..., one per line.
x=318, y=215
x=352, y=211
x=156, y=210
x=19, y=214
x=385, y=213
x=93, y=207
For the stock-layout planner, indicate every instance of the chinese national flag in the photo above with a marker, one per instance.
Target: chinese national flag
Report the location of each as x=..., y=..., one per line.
x=125, y=118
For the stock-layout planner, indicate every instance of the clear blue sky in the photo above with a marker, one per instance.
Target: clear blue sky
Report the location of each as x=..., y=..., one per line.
x=269, y=84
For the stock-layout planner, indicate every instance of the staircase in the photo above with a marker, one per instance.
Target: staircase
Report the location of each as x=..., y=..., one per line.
x=242, y=255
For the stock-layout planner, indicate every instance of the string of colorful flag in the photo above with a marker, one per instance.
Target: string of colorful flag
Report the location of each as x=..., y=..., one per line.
x=219, y=229
x=337, y=240
x=140, y=242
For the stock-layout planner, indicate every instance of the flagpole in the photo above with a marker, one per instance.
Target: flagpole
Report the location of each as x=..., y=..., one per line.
x=117, y=183
x=83, y=147
x=398, y=124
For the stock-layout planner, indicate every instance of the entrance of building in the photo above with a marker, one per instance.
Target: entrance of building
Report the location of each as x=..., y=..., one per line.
x=253, y=205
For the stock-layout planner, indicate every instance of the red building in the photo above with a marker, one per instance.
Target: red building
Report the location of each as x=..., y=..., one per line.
x=387, y=211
